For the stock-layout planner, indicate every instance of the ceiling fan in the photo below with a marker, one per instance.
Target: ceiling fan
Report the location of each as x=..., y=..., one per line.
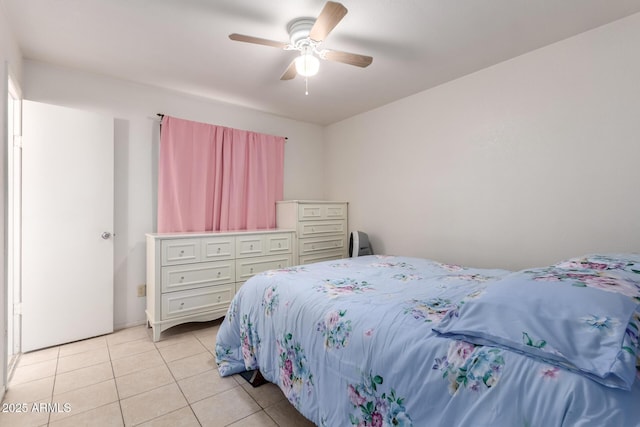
x=306, y=36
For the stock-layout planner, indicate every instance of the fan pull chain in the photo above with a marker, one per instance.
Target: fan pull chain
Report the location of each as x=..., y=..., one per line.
x=306, y=85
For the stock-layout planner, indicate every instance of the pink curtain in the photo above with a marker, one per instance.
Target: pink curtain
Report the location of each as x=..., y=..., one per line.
x=215, y=178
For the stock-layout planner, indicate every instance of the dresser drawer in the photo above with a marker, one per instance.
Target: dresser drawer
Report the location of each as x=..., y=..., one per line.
x=218, y=248
x=187, y=276
x=246, y=268
x=278, y=243
x=313, y=245
x=265, y=244
x=201, y=300
x=248, y=246
x=180, y=251
x=321, y=256
x=311, y=211
x=322, y=228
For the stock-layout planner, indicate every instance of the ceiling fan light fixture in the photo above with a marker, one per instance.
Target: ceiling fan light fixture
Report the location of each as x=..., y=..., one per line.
x=306, y=35
x=307, y=65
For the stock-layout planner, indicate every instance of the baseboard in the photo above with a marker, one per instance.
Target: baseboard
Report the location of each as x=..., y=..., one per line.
x=129, y=325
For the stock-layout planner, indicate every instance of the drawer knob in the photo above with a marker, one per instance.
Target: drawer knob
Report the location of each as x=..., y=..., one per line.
x=181, y=306
x=313, y=247
x=218, y=250
x=218, y=298
x=279, y=265
x=181, y=253
x=251, y=270
x=219, y=273
x=251, y=247
x=279, y=245
x=181, y=278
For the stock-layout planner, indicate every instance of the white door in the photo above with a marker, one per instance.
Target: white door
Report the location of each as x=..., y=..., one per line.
x=67, y=225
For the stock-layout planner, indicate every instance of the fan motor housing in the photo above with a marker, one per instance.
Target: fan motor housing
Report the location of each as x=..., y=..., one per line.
x=299, y=29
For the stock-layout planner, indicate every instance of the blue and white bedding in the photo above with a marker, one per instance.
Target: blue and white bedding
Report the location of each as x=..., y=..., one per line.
x=396, y=341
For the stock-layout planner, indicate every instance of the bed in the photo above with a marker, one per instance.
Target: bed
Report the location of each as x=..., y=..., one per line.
x=399, y=341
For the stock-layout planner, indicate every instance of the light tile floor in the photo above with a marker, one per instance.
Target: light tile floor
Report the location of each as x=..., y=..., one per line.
x=124, y=379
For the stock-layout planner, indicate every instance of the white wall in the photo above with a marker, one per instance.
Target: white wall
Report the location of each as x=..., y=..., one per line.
x=524, y=163
x=10, y=62
x=134, y=107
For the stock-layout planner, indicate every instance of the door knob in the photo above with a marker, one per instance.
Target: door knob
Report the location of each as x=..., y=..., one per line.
x=105, y=235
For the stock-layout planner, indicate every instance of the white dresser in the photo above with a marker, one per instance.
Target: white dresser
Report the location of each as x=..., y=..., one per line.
x=321, y=229
x=193, y=276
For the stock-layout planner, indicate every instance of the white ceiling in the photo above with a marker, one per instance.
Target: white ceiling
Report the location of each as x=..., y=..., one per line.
x=183, y=44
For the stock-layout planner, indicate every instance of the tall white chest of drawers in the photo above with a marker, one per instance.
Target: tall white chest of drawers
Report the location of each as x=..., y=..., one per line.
x=321, y=228
x=193, y=276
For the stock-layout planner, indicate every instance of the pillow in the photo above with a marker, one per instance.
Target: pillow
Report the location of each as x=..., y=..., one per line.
x=551, y=315
x=614, y=273
x=623, y=262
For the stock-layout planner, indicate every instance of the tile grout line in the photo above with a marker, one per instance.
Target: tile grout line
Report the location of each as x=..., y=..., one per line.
x=53, y=388
x=89, y=366
x=182, y=391
x=115, y=383
x=55, y=378
x=175, y=381
x=178, y=384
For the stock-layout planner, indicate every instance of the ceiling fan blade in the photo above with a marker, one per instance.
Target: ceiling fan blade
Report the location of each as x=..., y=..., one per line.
x=347, y=58
x=256, y=40
x=331, y=15
x=290, y=72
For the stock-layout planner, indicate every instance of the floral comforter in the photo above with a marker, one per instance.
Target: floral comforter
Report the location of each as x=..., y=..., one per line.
x=353, y=343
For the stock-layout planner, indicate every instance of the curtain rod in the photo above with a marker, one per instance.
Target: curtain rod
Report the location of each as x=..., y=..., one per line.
x=161, y=115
